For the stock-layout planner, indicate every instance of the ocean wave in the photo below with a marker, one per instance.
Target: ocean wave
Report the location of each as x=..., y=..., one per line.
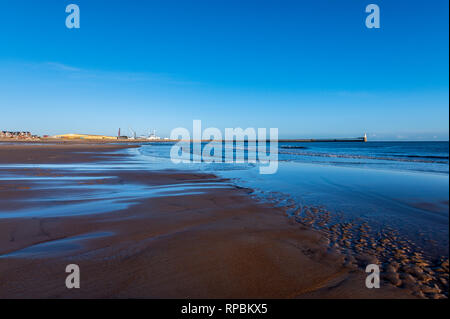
x=294, y=147
x=405, y=158
x=423, y=156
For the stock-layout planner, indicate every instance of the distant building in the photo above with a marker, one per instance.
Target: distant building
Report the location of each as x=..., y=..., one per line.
x=17, y=135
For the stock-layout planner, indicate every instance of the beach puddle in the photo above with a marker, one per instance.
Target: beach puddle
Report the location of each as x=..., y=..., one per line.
x=76, y=195
x=55, y=248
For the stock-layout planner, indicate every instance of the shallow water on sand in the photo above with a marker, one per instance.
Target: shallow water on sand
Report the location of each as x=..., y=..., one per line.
x=412, y=202
x=63, y=193
x=415, y=205
x=55, y=247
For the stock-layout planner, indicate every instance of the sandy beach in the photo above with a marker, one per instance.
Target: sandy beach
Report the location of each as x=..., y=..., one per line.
x=213, y=243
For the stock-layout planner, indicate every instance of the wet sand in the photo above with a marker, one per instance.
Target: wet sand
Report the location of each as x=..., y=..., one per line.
x=64, y=152
x=177, y=235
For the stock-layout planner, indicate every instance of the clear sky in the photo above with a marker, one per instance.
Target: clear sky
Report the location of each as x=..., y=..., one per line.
x=310, y=68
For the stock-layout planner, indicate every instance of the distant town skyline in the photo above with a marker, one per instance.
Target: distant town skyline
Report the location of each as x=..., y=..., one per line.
x=311, y=69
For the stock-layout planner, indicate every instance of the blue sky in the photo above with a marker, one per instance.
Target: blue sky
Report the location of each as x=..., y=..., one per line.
x=310, y=68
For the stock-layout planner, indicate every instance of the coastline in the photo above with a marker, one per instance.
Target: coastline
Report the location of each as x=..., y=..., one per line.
x=204, y=238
